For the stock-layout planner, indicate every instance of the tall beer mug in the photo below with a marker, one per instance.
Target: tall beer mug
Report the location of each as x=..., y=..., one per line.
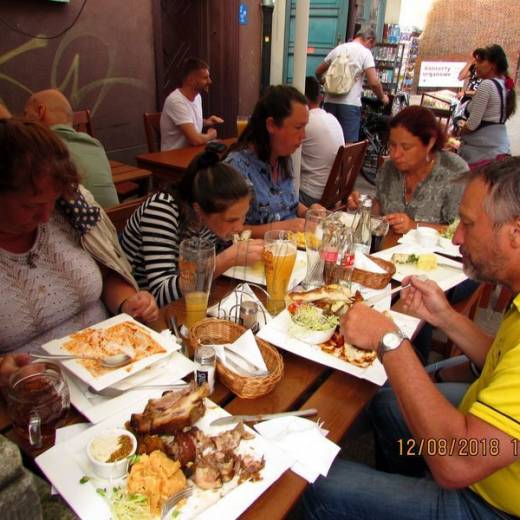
x=196, y=267
x=279, y=259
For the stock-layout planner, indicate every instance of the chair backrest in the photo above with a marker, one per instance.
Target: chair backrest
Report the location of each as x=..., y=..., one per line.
x=152, y=128
x=82, y=122
x=443, y=114
x=120, y=214
x=343, y=174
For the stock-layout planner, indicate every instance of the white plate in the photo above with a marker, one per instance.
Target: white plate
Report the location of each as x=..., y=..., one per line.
x=276, y=332
x=446, y=276
x=247, y=274
x=445, y=245
x=65, y=465
x=96, y=408
x=116, y=375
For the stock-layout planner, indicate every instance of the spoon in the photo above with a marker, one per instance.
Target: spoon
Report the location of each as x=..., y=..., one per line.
x=115, y=361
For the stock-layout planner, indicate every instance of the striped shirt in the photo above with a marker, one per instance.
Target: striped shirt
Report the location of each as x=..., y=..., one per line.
x=151, y=241
x=486, y=105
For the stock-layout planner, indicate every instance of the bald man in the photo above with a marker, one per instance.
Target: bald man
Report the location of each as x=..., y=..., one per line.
x=52, y=108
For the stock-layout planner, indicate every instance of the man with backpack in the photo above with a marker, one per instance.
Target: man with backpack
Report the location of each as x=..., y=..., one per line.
x=342, y=73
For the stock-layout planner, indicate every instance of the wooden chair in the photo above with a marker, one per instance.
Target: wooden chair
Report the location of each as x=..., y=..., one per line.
x=443, y=115
x=502, y=301
x=152, y=128
x=82, y=122
x=343, y=174
x=120, y=214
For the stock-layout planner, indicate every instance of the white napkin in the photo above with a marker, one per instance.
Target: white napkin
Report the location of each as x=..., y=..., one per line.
x=303, y=441
x=362, y=261
x=444, y=246
x=66, y=433
x=407, y=324
x=247, y=347
x=233, y=299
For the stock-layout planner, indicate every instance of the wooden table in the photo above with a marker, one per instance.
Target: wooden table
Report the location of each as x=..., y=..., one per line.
x=169, y=166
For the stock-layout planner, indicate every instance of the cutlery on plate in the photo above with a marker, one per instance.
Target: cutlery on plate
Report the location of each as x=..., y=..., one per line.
x=459, y=266
x=116, y=361
x=378, y=297
x=174, y=500
x=110, y=391
x=262, y=417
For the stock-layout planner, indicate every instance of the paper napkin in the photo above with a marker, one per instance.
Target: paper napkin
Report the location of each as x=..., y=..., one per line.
x=247, y=347
x=304, y=442
x=227, y=304
x=362, y=261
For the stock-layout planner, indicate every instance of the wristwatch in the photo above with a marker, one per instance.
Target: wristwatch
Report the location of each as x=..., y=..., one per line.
x=390, y=341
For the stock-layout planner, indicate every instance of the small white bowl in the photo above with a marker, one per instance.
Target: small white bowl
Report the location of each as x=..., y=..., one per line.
x=117, y=469
x=427, y=237
x=312, y=337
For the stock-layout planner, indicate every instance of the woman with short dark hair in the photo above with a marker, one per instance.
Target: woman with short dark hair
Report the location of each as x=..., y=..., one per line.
x=484, y=135
x=416, y=184
x=263, y=156
x=211, y=202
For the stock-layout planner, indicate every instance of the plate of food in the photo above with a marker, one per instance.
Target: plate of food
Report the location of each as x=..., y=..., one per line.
x=118, y=335
x=411, y=260
x=319, y=342
x=170, y=446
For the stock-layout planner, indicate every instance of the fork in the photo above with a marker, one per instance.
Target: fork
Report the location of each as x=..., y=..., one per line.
x=111, y=392
x=173, y=501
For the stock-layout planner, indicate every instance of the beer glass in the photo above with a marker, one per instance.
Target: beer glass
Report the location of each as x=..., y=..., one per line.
x=379, y=228
x=241, y=124
x=314, y=230
x=196, y=266
x=37, y=401
x=279, y=259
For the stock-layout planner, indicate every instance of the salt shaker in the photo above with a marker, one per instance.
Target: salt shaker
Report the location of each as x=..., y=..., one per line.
x=249, y=315
x=205, y=360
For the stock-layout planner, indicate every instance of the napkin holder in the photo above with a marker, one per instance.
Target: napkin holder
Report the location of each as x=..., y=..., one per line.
x=375, y=280
x=217, y=331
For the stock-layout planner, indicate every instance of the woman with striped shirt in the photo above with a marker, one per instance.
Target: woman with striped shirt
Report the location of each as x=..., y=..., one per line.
x=484, y=135
x=211, y=202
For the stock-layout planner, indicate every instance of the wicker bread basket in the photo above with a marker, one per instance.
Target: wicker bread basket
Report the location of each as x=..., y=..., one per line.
x=375, y=280
x=216, y=331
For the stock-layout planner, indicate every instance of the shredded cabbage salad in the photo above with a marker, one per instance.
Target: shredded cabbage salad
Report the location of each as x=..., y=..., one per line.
x=450, y=230
x=314, y=318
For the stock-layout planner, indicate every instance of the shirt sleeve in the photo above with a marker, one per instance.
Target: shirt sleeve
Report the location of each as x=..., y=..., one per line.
x=369, y=61
x=331, y=56
x=159, y=230
x=179, y=112
x=478, y=105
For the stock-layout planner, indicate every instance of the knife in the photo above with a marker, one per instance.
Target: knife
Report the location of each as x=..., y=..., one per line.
x=261, y=417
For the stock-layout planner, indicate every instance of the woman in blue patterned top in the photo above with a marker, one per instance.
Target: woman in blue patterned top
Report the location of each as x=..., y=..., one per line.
x=263, y=156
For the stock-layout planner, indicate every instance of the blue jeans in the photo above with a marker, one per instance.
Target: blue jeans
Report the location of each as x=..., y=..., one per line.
x=356, y=491
x=349, y=117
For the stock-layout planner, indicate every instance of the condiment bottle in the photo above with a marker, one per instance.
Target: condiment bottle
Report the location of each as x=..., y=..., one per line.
x=205, y=360
x=249, y=315
x=363, y=233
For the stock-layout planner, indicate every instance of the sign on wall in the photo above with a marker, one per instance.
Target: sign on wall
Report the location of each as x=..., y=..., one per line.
x=440, y=74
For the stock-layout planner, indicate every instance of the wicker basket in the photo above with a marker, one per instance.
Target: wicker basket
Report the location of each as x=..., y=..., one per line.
x=213, y=330
x=375, y=280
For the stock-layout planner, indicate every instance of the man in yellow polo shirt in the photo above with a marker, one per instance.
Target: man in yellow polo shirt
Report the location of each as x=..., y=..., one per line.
x=449, y=450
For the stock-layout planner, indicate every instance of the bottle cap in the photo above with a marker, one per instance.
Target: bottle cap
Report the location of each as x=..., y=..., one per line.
x=205, y=354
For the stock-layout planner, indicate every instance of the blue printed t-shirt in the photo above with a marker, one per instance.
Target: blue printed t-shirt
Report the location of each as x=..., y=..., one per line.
x=272, y=201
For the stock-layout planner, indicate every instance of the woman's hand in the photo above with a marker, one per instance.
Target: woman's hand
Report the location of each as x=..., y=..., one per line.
x=317, y=207
x=426, y=300
x=245, y=252
x=10, y=364
x=400, y=223
x=353, y=200
x=141, y=305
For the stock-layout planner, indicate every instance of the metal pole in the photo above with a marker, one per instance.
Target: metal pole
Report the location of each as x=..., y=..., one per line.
x=267, y=11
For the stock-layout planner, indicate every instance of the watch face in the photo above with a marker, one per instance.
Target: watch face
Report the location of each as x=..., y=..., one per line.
x=392, y=340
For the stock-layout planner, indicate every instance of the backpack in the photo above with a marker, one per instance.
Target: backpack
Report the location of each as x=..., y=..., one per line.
x=341, y=75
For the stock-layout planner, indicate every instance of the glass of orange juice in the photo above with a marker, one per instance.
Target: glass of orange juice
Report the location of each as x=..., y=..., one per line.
x=196, y=266
x=279, y=258
x=241, y=124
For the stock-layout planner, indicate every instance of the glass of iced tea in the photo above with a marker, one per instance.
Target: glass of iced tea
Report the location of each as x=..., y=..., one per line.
x=279, y=259
x=37, y=401
x=196, y=266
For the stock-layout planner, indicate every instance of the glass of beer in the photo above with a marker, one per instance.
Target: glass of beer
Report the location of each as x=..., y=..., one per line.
x=196, y=266
x=279, y=259
x=37, y=401
x=379, y=228
x=241, y=124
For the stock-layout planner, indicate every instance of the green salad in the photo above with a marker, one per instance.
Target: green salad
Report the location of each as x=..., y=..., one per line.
x=450, y=230
x=314, y=318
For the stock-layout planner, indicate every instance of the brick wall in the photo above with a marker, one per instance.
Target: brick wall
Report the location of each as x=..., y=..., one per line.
x=454, y=28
